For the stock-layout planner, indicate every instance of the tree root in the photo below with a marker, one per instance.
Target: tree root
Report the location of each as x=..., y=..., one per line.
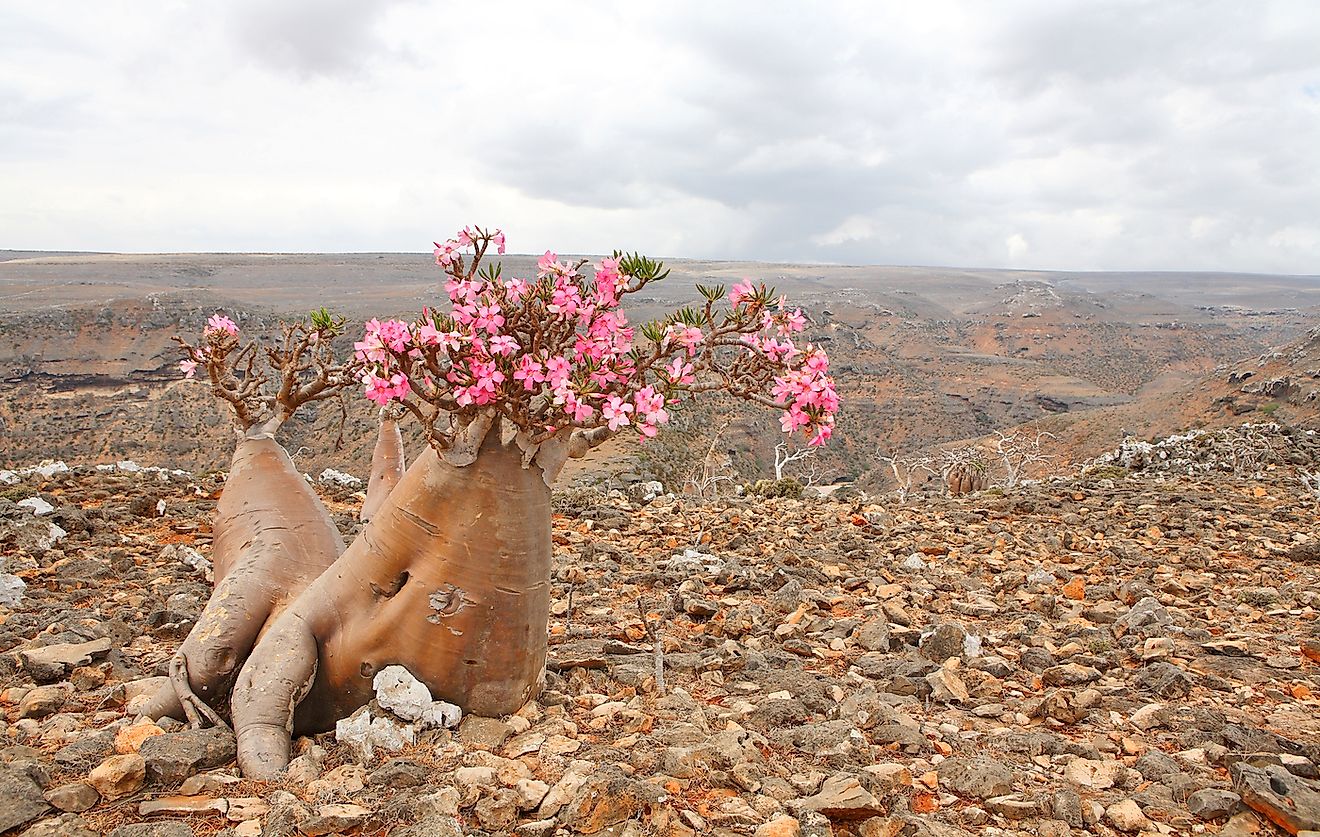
x=193, y=707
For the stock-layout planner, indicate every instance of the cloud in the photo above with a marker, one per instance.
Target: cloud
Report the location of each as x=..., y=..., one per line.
x=1137, y=134
x=310, y=38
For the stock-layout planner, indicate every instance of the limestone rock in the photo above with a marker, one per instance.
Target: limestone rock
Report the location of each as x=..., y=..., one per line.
x=118, y=775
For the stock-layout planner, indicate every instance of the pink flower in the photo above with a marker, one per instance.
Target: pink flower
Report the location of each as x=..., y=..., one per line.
x=741, y=292
x=515, y=289
x=650, y=411
x=822, y=436
x=383, y=390
x=219, y=322
x=548, y=264
x=504, y=345
x=557, y=371
x=464, y=237
x=565, y=301
x=793, y=322
x=188, y=368
x=615, y=412
x=530, y=371
x=498, y=238
x=427, y=335
x=462, y=291
x=679, y=372
x=447, y=253
x=608, y=283
x=576, y=409
x=394, y=334
x=488, y=317
x=689, y=337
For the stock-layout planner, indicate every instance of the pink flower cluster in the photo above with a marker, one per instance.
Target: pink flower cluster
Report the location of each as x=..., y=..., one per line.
x=217, y=330
x=807, y=393
x=220, y=323
x=558, y=351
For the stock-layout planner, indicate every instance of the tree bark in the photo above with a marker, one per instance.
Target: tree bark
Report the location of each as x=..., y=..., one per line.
x=387, y=467
x=451, y=580
x=271, y=537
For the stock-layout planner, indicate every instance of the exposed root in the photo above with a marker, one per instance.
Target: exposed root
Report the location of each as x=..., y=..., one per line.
x=193, y=707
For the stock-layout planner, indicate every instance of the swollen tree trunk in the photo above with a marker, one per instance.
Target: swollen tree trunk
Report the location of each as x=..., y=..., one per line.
x=272, y=536
x=387, y=466
x=450, y=580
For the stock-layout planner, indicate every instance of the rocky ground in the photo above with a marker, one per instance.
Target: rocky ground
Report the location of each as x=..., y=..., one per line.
x=1107, y=654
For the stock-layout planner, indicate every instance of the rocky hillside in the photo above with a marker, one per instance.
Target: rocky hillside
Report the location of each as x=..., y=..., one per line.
x=1127, y=652
x=922, y=356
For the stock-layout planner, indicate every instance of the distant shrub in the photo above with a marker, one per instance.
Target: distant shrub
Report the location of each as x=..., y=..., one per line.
x=1268, y=409
x=1107, y=472
x=786, y=487
x=17, y=492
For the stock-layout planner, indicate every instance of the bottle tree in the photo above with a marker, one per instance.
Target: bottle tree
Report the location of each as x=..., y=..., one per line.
x=451, y=576
x=271, y=534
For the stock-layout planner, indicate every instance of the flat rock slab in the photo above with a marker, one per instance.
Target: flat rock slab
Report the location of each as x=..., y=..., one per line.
x=51, y=662
x=587, y=653
x=842, y=797
x=1288, y=801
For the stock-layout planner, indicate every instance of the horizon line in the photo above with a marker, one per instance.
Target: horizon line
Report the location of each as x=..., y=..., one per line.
x=910, y=266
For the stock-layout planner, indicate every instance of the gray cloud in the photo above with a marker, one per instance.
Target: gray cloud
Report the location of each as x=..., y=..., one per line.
x=309, y=38
x=1058, y=133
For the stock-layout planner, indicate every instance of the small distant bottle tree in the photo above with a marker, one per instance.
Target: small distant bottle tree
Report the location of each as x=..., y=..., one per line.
x=451, y=576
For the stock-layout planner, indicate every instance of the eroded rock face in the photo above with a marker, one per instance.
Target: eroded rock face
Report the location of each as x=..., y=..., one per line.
x=815, y=669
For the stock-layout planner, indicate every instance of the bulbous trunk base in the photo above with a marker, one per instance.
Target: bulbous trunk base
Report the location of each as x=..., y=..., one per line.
x=449, y=580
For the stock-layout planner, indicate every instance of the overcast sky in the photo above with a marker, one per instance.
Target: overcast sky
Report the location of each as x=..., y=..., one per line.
x=1050, y=134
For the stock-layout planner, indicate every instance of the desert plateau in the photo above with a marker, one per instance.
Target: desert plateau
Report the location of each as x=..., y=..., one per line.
x=1117, y=635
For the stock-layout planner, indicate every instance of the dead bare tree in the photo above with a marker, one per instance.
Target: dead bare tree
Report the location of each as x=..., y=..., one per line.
x=1310, y=485
x=1019, y=450
x=905, y=470
x=783, y=458
x=1250, y=447
x=707, y=477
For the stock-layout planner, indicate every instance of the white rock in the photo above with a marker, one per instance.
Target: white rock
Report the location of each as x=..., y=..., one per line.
x=8, y=478
x=128, y=466
x=441, y=714
x=971, y=646
x=38, y=505
x=1097, y=775
x=187, y=556
x=339, y=478
x=160, y=508
x=1040, y=576
x=49, y=469
x=52, y=537
x=651, y=490
x=1149, y=716
x=401, y=693
x=1126, y=815
x=914, y=562
x=365, y=734
x=11, y=590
